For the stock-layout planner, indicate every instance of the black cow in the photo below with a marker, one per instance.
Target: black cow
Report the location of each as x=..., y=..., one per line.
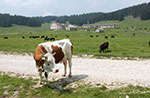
x=34, y=36
x=23, y=37
x=149, y=43
x=46, y=38
x=5, y=37
x=97, y=35
x=52, y=39
x=112, y=36
x=91, y=36
x=104, y=46
x=106, y=37
x=42, y=36
x=49, y=39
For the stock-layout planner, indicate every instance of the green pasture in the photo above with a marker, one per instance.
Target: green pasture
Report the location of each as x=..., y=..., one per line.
x=15, y=87
x=123, y=45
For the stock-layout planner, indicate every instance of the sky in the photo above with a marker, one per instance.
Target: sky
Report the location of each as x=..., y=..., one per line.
x=32, y=8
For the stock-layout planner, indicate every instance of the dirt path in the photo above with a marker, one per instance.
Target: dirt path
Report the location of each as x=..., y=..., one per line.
x=103, y=71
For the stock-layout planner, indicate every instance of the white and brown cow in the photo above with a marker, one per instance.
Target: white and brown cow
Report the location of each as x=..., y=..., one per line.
x=48, y=54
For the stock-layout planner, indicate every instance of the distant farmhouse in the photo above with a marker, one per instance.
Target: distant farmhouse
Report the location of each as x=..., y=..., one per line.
x=71, y=28
x=57, y=26
x=102, y=26
x=60, y=26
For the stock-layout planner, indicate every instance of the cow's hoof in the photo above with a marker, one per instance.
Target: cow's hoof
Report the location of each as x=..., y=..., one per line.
x=46, y=83
x=40, y=83
x=63, y=75
x=70, y=76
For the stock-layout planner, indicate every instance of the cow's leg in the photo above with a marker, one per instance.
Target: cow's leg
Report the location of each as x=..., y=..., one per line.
x=65, y=67
x=70, y=65
x=100, y=50
x=103, y=50
x=46, y=77
x=40, y=74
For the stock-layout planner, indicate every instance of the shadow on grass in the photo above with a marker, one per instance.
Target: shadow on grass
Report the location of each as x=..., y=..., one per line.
x=106, y=51
x=61, y=83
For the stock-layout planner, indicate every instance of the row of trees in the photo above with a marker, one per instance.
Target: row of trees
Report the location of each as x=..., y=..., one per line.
x=141, y=11
x=7, y=20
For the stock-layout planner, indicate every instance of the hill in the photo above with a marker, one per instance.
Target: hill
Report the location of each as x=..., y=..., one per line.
x=142, y=11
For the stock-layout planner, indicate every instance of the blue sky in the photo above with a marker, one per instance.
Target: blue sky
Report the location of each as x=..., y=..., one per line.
x=63, y=7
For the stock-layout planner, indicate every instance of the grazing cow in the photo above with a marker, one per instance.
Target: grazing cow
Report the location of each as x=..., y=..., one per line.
x=48, y=54
x=23, y=37
x=34, y=36
x=112, y=36
x=5, y=37
x=42, y=36
x=52, y=39
x=106, y=37
x=149, y=43
x=91, y=36
x=104, y=46
x=49, y=39
x=46, y=38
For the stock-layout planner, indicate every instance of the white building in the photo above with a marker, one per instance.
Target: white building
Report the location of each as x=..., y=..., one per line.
x=99, y=26
x=57, y=26
x=71, y=28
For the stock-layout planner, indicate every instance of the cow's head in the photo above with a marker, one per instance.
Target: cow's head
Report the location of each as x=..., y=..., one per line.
x=49, y=62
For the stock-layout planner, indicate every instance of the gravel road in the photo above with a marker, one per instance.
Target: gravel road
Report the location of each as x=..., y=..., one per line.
x=103, y=71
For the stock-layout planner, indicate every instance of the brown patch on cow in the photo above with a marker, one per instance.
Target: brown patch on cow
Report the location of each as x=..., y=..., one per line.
x=59, y=53
x=72, y=50
x=39, y=51
x=71, y=47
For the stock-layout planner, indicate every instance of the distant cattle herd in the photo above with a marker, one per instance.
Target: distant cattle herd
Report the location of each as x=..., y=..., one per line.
x=102, y=48
x=46, y=38
x=106, y=37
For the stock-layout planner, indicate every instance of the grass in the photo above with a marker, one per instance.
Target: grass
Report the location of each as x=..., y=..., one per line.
x=24, y=88
x=23, y=29
x=123, y=45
